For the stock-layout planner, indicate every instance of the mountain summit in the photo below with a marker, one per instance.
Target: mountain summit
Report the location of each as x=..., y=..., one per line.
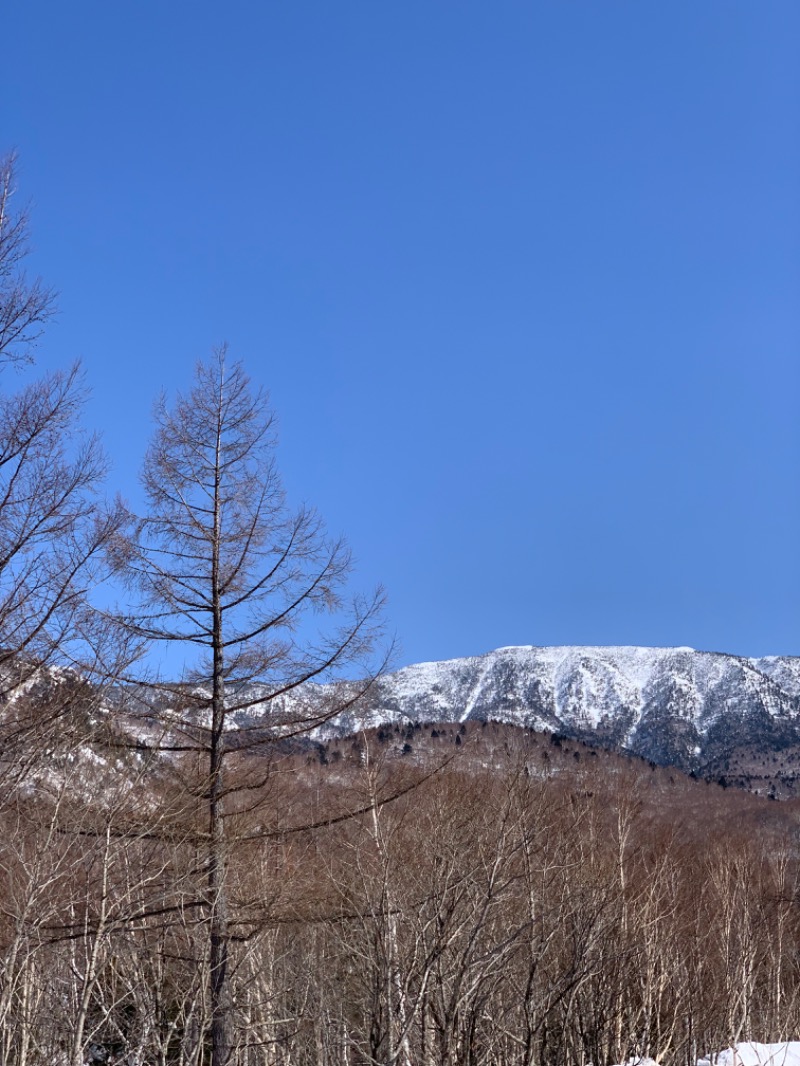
x=675, y=706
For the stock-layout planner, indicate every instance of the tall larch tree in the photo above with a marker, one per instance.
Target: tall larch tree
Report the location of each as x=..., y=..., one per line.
x=246, y=594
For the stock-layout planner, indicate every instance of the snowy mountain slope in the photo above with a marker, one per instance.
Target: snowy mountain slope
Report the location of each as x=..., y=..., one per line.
x=705, y=711
x=673, y=705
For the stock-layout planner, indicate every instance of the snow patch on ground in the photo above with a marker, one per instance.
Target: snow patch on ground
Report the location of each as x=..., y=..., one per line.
x=748, y=1053
x=755, y=1054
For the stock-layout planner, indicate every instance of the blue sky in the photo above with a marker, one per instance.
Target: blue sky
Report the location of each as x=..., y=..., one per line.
x=523, y=280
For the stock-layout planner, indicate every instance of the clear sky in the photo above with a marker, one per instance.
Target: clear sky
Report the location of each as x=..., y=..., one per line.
x=522, y=278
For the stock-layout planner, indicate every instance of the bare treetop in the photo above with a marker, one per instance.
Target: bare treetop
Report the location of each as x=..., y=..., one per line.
x=221, y=547
x=25, y=304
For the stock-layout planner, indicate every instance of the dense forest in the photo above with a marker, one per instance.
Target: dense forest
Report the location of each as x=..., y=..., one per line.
x=488, y=896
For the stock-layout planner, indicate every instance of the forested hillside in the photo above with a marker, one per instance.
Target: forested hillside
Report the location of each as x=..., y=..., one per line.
x=469, y=895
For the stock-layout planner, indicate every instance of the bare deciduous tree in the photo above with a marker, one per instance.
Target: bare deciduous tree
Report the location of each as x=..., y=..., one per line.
x=52, y=525
x=230, y=576
x=25, y=305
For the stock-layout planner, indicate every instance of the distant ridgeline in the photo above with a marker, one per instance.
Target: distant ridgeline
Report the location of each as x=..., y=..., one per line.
x=704, y=712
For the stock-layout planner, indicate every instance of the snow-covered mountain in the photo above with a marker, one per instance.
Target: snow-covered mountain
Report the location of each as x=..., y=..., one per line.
x=672, y=705
x=706, y=711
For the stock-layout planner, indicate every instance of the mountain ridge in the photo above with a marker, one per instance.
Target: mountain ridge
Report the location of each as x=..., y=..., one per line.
x=676, y=706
